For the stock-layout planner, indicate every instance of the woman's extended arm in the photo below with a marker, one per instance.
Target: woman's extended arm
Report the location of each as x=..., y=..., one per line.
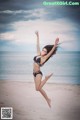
x=55, y=45
x=38, y=46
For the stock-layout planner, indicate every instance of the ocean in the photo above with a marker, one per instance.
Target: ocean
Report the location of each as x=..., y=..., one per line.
x=65, y=67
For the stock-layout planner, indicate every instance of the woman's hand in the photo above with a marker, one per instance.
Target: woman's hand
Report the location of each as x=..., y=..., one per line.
x=37, y=33
x=56, y=41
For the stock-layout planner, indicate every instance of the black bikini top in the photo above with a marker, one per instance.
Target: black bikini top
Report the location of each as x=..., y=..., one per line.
x=37, y=59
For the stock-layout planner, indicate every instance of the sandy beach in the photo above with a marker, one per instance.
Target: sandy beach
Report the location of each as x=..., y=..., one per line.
x=28, y=104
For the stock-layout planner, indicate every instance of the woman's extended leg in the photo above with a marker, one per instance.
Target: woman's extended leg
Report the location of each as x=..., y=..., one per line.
x=37, y=80
x=46, y=97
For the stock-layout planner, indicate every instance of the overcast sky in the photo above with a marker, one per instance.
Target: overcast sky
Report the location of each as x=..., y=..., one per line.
x=19, y=19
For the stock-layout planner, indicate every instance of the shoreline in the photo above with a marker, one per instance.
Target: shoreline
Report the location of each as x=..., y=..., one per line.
x=25, y=81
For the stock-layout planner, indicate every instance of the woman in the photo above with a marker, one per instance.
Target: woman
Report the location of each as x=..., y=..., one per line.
x=39, y=60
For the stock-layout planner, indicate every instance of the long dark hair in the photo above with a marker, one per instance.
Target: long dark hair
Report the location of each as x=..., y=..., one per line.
x=48, y=48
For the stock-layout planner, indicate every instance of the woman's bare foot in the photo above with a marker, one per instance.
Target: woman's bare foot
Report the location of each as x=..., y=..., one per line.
x=49, y=102
x=48, y=76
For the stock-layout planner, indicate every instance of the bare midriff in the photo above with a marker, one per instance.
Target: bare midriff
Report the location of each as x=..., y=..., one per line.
x=36, y=67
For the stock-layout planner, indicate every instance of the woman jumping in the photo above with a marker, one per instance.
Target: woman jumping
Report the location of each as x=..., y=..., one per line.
x=39, y=60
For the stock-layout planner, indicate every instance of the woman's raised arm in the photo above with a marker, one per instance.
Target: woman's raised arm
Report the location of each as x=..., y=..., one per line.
x=54, y=47
x=38, y=46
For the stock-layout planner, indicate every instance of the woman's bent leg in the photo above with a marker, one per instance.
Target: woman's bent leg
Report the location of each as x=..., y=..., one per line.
x=45, y=80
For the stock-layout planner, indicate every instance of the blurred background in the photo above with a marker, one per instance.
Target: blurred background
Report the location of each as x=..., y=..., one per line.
x=18, y=22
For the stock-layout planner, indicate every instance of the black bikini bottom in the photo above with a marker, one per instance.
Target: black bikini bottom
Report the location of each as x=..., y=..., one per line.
x=35, y=73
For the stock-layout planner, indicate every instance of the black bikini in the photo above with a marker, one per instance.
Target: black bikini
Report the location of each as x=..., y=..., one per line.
x=37, y=59
x=35, y=73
